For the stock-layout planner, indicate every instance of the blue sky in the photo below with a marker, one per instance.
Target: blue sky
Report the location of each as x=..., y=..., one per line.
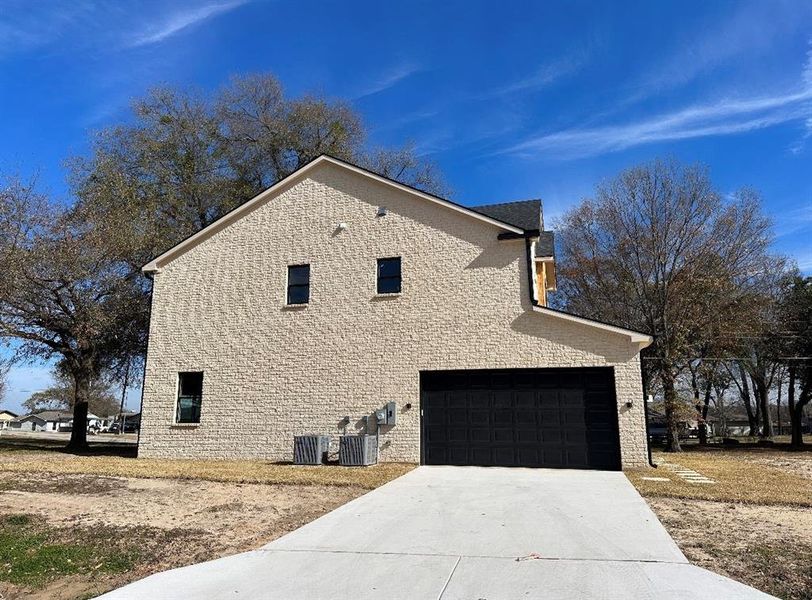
x=512, y=100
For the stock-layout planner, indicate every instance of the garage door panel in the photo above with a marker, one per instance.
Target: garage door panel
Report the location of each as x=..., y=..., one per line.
x=525, y=399
x=503, y=435
x=481, y=455
x=480, y=435
x=526, y=419
x=479, y=417
x=504, y=456
x=458, y=434
x=550, y=417
x=521, y=417
x=479, y=399
x=526, y=436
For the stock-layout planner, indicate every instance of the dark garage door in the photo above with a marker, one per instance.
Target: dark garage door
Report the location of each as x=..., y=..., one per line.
x=520, y=417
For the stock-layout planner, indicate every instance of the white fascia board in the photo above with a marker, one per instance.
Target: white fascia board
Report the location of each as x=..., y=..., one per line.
x=155, y=264
x=635, y=337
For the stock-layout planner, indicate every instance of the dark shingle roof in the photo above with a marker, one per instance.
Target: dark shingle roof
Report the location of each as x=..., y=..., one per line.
x=546, y=244
x=53, y=415
x=525, y=213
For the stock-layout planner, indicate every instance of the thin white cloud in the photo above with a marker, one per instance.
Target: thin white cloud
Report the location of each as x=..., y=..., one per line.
x=26, y=26
x=723, y=118
x=749, y=32
x=790, y=222
x=799, y=146
x=180, y=21
x=388, y=80
x=544, y=76
x=804, y=260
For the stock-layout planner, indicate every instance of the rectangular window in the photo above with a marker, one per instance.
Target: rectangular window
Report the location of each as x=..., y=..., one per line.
x=298, y=284
x=190, y=396
x=389, y=275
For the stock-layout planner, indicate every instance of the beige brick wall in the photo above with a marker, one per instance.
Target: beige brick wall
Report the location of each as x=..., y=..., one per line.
x=273, y=371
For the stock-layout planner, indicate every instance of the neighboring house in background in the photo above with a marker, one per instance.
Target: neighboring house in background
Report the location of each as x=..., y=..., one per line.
x=337, y=291
x=51, y=420
x=55, y=420
x=6, y=417
x=29, y=423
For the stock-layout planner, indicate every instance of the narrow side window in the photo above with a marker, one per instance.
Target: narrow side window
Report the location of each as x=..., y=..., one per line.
x=389, y=276
x=298, y=284
x=190, y=397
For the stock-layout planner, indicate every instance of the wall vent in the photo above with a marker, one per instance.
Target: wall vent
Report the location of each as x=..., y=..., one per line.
x=358, y=450
x=310, y=449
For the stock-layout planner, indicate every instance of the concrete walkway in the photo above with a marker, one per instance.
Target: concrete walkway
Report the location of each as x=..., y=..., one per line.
x=461, y=533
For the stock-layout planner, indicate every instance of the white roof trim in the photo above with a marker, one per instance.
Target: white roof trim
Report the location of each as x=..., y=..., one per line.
x=155, y=264
x=635, y=337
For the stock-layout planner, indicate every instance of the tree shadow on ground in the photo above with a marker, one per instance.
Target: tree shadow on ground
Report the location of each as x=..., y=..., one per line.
x=744, y=446
x=100, y=448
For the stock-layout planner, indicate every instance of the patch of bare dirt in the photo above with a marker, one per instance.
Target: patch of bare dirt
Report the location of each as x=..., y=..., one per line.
x=203, y=520
x=70, y=484
x=767, y=547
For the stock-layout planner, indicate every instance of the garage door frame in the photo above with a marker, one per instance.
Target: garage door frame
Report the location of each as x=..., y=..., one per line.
x=607, y=372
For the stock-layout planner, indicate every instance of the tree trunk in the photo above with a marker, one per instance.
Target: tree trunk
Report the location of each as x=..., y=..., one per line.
x=703, y=424
x=778, y=403
x=124, y=386
x=752, y=419
x=795, y=414
x=671, y=412
x=763, y=393
x=78, y=434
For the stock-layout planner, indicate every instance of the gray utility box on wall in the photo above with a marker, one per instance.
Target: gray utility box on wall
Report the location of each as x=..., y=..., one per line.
x=310, y=449
x=358, y=450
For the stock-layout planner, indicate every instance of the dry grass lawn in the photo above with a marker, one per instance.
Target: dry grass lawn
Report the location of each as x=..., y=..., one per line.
x=739, y=478
x=232, y=471
x=76, y=526
x=754, y=524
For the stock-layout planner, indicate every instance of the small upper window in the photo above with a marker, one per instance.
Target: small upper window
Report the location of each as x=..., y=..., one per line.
x=389, y=275
x=298, y=284
x=190, y=397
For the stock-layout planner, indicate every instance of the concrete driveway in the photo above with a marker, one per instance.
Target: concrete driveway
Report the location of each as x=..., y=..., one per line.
x=464, y=533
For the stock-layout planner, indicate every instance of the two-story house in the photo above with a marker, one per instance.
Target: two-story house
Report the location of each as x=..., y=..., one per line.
x=337, y=291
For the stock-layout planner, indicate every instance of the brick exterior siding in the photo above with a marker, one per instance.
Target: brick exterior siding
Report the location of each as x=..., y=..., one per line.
x=272, y=371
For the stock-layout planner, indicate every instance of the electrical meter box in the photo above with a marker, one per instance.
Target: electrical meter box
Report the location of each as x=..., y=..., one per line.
x=391, y=413
x=388, y=415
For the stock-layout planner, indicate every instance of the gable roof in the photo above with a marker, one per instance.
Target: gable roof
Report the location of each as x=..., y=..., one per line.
x=545, y=246
x=8, y=412
x=525, y=214
x=643, y=340
x=53, y=415
x=155, y=264
x=31, y=417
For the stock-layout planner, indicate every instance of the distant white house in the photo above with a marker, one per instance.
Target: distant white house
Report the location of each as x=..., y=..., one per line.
x=51, y=420
x=6, y=417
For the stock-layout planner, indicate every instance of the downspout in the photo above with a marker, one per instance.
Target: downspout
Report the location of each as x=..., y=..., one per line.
x=530, y=283
x=648, y=433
